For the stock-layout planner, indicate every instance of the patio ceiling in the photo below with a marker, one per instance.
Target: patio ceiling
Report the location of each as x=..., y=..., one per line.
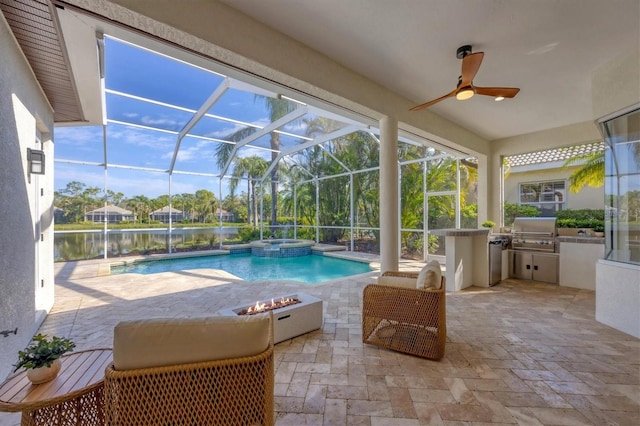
x=36, y=29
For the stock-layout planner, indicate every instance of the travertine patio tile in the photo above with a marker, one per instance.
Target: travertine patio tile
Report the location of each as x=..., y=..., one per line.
x=285, y=371
x=288, y=404
x=312, y=367
x=464, y=412
x=524, y=416
x=523, y=352
x=549, y=396
x=615, y=402
x=499, y=413
x=347, y=392
x=401, y=403
x=520, y=399
x=355, y=420
x=427, y=413
x=335, y=412
x=314, y=401
x=431, y=395
x=391, y=421
x=299, y=384
x=560, y=416
x=460, y=391
x=377, y=388
x=329, y=379
x=534, y=374
x=370, y=408
x=485, y=384
x=576, y=388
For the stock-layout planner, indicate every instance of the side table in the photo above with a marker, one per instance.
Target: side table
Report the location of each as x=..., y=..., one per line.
x=73, y=398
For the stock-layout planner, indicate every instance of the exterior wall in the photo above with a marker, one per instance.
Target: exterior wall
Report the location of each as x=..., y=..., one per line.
x=578, y=264
x=587, y=198
x=618, y=296
x=26, y=264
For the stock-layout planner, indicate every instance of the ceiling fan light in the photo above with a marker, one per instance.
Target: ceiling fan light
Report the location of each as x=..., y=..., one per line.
x=499, y=98
x=465, y=93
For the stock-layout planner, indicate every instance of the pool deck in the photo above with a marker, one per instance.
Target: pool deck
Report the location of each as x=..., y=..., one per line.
x=520, y=352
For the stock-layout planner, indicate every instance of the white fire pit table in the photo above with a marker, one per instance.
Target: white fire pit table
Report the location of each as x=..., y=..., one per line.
x=289, y=321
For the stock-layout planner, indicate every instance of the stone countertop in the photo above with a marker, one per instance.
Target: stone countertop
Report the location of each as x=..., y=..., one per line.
x=580, y=240
x=459, y=232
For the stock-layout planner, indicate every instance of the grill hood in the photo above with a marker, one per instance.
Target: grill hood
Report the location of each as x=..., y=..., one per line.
x=535, y=225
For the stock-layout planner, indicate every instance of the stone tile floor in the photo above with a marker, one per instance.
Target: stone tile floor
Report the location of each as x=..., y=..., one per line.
x=518, y=353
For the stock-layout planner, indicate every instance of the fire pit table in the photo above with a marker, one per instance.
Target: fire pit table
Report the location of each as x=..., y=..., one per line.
x=293, y=314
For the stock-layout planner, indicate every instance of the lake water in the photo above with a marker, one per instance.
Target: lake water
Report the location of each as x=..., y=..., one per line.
x=77, y=245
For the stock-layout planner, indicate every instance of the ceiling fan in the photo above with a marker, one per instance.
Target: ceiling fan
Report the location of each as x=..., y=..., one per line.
x=465, y=88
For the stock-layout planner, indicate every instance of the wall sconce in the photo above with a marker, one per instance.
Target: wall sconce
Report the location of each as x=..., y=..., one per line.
x=35, y=159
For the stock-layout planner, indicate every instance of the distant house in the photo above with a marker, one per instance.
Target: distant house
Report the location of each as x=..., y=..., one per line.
x=540, y=179
x=167, y=212
x=114, y=214
x=225, y=216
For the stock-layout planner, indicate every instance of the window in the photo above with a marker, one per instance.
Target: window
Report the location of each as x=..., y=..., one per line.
x=548, y=197
x=622, y=187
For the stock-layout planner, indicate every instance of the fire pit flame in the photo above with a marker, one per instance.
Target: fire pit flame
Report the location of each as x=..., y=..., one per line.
x=260, y=307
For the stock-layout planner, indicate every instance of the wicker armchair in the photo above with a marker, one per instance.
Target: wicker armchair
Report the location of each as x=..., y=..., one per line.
x=235, y=391
x=407, y=320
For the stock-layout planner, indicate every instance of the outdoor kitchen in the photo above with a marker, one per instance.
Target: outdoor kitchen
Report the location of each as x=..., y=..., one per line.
x=532, y=250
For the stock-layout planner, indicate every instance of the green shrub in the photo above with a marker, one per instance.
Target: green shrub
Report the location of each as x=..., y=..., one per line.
x=511, y=211
x=581, y=218
x=248, y=234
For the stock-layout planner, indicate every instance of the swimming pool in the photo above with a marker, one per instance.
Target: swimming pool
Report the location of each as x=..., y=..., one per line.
x=309, y=269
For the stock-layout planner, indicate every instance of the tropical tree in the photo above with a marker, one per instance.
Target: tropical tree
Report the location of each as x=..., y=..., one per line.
x=590, y=173
x=114, y=198
x=204, y=204
x=140, y=205
x=251, y=169
x=76, y=199
x=277, y=108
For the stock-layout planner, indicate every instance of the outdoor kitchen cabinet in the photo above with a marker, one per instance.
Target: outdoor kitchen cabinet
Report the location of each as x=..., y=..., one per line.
x=534, y=266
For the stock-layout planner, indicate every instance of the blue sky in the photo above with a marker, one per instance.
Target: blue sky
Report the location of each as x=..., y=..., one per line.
x=145, y=74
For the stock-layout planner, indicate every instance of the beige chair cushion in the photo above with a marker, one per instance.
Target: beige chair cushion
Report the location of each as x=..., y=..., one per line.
x=430, y=276
x=170, y=341
x=397, y=282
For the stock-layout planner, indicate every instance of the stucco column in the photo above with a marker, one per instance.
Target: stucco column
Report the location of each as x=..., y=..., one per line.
x=389, y=223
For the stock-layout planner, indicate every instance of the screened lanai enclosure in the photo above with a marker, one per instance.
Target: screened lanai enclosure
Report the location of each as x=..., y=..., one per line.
x=204, y=156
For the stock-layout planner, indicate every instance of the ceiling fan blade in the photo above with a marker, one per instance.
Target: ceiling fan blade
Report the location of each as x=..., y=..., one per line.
x=506, y=92
x=470, y=66
x=428, y=104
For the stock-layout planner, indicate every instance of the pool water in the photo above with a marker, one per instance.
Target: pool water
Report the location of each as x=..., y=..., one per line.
x=309, y=269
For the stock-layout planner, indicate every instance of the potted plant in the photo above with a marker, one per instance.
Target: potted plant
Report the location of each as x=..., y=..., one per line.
x=41, y=357
x=488, y=224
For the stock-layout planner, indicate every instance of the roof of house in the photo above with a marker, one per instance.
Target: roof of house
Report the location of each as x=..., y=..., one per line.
x=167, y=209
x=111, y=209
x=558, y=154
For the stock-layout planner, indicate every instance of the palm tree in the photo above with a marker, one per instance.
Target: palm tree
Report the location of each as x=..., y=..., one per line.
x=591, y=173
x=140, y=206
x=277, y=108
x=250, y=168
x=204, y=204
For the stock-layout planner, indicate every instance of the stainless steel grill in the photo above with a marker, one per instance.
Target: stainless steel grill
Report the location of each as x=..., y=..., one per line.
x=534, y=234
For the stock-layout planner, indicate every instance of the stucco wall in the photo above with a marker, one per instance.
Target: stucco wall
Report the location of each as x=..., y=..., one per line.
x=587, y=198
x=618, y=296
x=24, y=116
